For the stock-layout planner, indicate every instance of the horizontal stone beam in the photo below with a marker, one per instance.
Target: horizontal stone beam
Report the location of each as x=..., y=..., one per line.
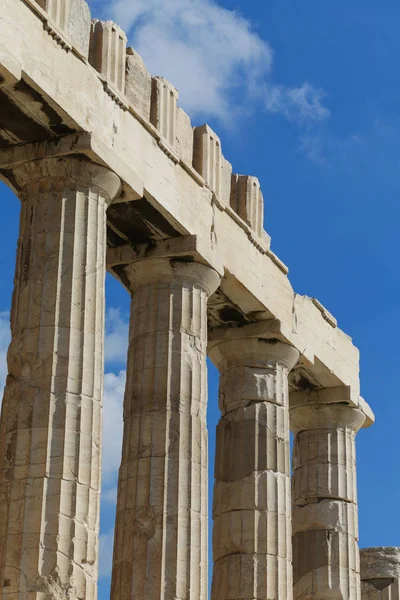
x=10, y=68
x=78, y=143
x=267, y=329
x=189, y=246
x=334, y=395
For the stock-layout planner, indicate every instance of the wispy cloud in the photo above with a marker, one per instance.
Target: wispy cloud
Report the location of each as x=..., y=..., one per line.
x=116, y=339
x=205, y=50
x=116, y=346
x=216, y=59
x=114, y=387
x=323, y=147
x=302, y=105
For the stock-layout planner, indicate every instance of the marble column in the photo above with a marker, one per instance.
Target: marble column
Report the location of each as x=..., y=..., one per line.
x=50, y=428
x=252, y=546
x=324, y=497
x=380, y=573
x=160, y=548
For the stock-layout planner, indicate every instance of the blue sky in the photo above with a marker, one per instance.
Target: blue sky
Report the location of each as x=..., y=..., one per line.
x=305, y=95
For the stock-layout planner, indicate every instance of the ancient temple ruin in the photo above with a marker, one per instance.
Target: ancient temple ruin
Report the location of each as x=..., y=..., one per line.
x=112, y=175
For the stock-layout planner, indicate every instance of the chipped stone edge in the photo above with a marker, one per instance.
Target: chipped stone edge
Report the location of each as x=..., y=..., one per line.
x=325, y=313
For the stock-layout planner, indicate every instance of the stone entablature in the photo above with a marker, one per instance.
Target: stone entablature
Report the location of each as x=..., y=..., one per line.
x=117, y=126
x=111, y=173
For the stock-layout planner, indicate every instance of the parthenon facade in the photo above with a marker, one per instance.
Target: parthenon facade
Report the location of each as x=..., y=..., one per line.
x=112, y=175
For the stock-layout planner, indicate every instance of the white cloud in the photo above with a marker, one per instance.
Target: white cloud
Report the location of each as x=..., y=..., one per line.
x=105, y=554
x=313, y=145
x=205, y=50
x=324, y=148
x=214, y=57
x=302, y=104
x=116, y=339
x=114, y=387
x=109, y=496
x=4, y=342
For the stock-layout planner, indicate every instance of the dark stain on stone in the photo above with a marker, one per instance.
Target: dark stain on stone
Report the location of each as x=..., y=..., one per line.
x=230, y=314
x=139, y=222
x=302, y=383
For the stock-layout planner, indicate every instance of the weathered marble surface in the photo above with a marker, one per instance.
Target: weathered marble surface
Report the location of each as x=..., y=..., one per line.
x=50, y=428
x=252, y=545
x=85, y=100
x=380, y=573
x=324, y=496
x=161, y=548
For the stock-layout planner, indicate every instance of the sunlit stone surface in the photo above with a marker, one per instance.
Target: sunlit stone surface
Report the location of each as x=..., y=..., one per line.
x=111, y=174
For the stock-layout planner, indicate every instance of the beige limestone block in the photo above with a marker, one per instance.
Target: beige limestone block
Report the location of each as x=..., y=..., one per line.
x=107, y=52
x=252, y=577
x=226, y=181
x=324, y=466
x=163, y=113
x=72, y=17
x=78, y=26
x=326, y=560
x=252, y=546
x=207, y=157
x=10, y=68
x=326, y=515
x=50, y=428
x=161, y=525
x=247, y=201
x=138, y=84
x=380, y=573
x=380, y=562
x=57, y=10
x=184, y=137
x=381, y=589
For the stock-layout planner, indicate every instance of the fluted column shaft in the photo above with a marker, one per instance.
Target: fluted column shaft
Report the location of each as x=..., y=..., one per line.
x=252, y=510
x=160, y=550
x=50, y=429
x=324, y=495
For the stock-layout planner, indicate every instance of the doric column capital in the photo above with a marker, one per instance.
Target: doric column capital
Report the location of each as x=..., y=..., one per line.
x=253, y=352
x=380, y=563
x=62, y=174
x=325, y=416
x=169, y=270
